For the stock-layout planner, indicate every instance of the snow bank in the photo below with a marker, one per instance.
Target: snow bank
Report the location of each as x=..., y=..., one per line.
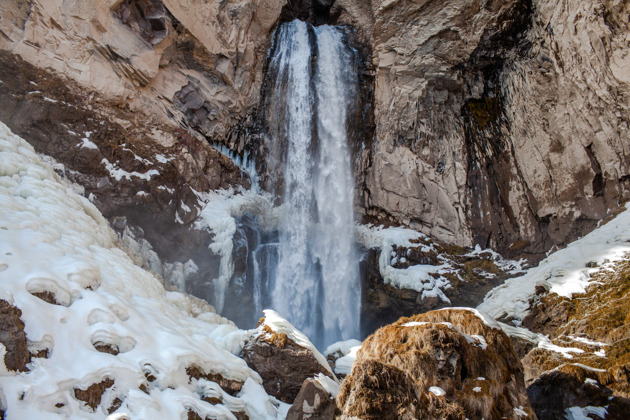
x=53, y=240
x=343, y=365
x=564, y=272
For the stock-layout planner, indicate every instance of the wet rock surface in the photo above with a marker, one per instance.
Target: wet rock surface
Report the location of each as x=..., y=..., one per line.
x=474, y=367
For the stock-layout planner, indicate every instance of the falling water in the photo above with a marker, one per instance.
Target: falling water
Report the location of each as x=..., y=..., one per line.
x=316, y=285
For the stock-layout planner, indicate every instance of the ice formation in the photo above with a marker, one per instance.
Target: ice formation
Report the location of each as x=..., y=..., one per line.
x=53, y=240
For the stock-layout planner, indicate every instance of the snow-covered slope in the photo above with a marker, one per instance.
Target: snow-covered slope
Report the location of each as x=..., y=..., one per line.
x=53, y=240
x=564, y=272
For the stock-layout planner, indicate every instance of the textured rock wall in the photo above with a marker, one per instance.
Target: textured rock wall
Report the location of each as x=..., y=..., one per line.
x=497, y=123
x=189, y=61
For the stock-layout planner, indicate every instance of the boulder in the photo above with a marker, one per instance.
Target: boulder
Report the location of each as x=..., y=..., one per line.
x=283, y=357
x=451, y=363
x=314, y=401
x=556, y=391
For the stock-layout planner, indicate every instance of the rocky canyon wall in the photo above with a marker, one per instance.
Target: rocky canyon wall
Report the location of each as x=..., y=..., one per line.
x=499, y=123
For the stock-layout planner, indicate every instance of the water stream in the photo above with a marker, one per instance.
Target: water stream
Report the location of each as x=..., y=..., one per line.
x=317, y=283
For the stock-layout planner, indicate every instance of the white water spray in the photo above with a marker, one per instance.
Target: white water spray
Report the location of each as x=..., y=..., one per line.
x=317, y=283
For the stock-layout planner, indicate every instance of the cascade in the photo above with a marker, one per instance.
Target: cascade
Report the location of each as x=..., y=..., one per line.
x=316, y=282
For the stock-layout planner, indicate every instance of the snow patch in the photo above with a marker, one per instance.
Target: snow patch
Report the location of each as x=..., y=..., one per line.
x=564, y=272
x=587, y=341
x=331, y=386
x=119, y=174
x=342, y=347
x=437, y=391
x=582, y=413
x=520, y=412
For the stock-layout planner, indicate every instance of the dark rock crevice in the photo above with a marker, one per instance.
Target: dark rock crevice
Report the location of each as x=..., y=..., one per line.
x=491, y=170
x=316, y=12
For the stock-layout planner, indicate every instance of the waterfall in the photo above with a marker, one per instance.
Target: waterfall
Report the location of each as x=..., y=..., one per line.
x=317, y=283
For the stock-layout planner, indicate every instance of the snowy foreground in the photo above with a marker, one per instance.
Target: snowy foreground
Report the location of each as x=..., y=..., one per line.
x=54, y=240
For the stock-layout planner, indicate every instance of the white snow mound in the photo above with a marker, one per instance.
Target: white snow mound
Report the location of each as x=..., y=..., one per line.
x=53, y=240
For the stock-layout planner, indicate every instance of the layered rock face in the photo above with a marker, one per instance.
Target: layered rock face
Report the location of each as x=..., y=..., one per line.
x=441, y=364
x=497, y=123
x=166, y=59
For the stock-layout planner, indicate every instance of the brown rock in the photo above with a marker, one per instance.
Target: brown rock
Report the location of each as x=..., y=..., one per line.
x=312, y=402
x=474, y=364
x=13, y=338
x=230, y=386
x=573, y=386
x=92, y=395
x=547, y=313
x=282, y=364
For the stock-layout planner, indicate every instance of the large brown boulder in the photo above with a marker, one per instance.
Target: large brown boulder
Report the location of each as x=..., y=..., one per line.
x=283, y=357
x=442, y=364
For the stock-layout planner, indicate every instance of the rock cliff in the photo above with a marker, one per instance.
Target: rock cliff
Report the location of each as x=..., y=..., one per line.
x=491, y=123
x=497, y=123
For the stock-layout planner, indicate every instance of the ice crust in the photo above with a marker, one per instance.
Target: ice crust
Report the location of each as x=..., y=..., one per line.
x=52, y=239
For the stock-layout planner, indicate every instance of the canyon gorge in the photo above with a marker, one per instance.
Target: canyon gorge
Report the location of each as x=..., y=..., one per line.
x=330, y=166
